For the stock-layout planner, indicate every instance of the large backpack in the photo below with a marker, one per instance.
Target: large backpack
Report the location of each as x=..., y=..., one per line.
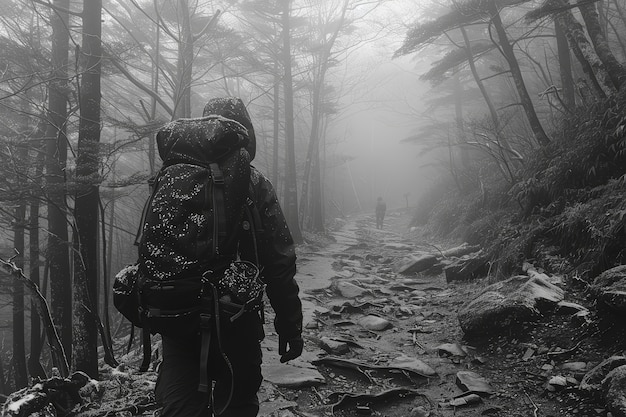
x=187, y=270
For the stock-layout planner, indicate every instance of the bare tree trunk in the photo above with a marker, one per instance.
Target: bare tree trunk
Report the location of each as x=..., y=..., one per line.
x=185, y=63
x=460, y=128
x=312, y=176
x=502, y=140
x=153, y=107
x=276, y=131
x=583, y=50
x=19, y=346
x=291, y=188
x=481, y=86
x=317, y=199
x=312, y=165
x=56, y=151
x=85, y=346
x=3, y=384
x=622, y=17
x=509, y=55
x=34, y=365
x=615, y=70
x=565, y=68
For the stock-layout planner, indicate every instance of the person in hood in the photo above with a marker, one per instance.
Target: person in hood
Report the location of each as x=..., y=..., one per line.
x=236, y=370
x=381, y=208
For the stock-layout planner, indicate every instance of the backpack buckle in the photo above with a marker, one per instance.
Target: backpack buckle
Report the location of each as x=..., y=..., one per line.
x=216, y=174
x=206, y=320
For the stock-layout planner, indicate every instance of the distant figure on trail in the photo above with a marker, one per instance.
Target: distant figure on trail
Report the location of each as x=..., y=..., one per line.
x=381, y=207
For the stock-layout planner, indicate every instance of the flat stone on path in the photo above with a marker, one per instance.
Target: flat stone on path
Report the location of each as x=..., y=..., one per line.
x=412, y=364
x=291, y=376
x=417, y=263
x=350, y=290
x=451, y=349
x=375, y=323
x=470, y=381
x=334, y=347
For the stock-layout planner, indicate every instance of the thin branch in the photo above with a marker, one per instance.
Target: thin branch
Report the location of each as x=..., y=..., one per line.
x=210, y=25
x=164, y=25
x=138, y=83
x=57, y=8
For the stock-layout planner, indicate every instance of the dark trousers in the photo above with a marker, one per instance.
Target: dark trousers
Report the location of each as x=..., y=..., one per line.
x=177, y=384
x=379, y=220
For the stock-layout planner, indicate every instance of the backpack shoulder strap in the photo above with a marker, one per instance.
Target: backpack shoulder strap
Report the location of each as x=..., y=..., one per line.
x=256, y=226
x=153, y=183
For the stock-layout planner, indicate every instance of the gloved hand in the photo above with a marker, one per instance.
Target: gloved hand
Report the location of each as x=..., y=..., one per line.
x=290, y=349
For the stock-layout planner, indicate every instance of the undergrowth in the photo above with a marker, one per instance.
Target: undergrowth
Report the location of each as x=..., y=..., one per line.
x=569, y=196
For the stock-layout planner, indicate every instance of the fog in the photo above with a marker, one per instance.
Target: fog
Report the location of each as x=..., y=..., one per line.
x=376, y=117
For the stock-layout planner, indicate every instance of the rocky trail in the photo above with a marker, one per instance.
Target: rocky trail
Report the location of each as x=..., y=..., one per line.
x=388, y=344
x=381, y=340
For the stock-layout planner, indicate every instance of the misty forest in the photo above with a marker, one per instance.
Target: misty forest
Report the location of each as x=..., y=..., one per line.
x=494, y=130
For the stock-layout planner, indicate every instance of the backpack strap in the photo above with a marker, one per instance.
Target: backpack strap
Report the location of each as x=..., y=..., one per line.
x=219, y=205
x=206, y=330
x=147, y=350
x=152, y=183
x=254, y=217
x=209, y=323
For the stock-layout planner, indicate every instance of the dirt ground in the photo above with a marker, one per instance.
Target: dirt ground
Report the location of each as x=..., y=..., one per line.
x=517, y=365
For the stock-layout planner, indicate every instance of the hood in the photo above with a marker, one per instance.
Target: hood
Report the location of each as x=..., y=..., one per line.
x=201, y=140
x=233, y=108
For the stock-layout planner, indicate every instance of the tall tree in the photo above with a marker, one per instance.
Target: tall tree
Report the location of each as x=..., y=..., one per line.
x=56, y=162
x=582, y=49
x=85, y=342
x=19, y=347
x=34, y=364
x=516, y=72
x=186, y=40
x=291, y=187
x=565, y=68
x=472, y=11
x=615, y=70
x=324, y=44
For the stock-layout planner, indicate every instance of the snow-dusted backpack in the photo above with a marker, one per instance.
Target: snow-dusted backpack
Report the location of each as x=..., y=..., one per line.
x=188, y=270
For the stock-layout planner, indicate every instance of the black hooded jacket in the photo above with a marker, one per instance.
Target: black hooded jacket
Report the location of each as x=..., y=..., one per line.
x=274, y=243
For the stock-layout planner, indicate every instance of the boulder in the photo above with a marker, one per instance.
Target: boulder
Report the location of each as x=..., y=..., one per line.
x=515, y=300
x=592, y=381
x=467, y=268
x=614, y=388
x=610, y=288
x=416, y=264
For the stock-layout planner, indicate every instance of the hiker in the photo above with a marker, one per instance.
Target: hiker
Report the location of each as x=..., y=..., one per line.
x=381, y=207
x=234, y=364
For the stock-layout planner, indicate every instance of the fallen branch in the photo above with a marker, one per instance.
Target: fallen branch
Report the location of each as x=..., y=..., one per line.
x=347, y=399
x=59, y=359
